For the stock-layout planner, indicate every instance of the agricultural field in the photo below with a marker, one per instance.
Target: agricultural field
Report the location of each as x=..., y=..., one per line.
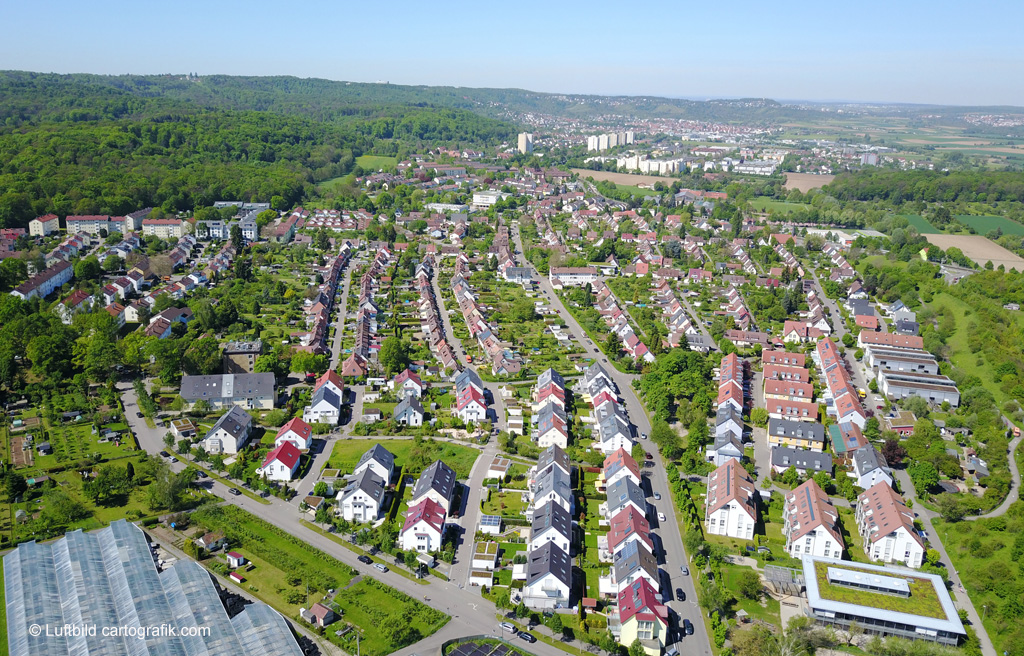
x=920, y=224
x=986, y=224
x=375, y=162
x=807, y=181
x=346, y=453
x=627, y=180
x=980, y=249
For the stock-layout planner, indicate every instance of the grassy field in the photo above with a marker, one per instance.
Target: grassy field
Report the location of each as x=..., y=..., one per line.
x=923, y=599
x=346, y=454
x=769, y=612
x=388, y=620
x=920, y=224
x=375, y=161
x=985, y=224
x=780, y=206
x=506, y=504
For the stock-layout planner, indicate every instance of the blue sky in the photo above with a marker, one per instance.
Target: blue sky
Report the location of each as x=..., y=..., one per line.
x=896, y=51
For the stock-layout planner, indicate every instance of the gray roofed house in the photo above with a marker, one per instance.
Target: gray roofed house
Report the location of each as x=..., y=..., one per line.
x=551, y=523
x=870, y=467
x=622, y=493
x=230, y=433
x=632, y=562
x=324, y=407
x=726, y=446
x=409, y=411
x=361, y=499
x=699, y=342
x=906, y=327
x=805, y=433
x=594, y=373
x=469, y=377
x=550, y=376
x=729, y=419
x=553, y=455
x=379, y=459
x=553, y=484
x=437, y=482
x=784, y=457
x=250, y=391
x=548, y=578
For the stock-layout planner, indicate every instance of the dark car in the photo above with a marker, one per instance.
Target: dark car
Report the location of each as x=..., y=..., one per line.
x=687, y=627
x=680, y=595
x=139, y=415
x=649, y=456
x=233, y=491
x=365, y=559
x=165, y=454
x=528, y=637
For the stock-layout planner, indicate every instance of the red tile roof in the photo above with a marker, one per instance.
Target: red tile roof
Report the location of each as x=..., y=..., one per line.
x=285, y=453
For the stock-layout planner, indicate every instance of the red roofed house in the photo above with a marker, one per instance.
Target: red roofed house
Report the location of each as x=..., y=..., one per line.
x=297, y=432
x=810, y=523
x=353, y=367
x=731, y=502
x=866, y=322
x=333, y=382
x=407, y=383
x=629, y=525
x=423, y=529
x=643, y=617
x=281, y=463
x=470, y=405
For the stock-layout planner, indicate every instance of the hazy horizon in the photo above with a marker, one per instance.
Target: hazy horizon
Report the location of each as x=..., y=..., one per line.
x=892, y=53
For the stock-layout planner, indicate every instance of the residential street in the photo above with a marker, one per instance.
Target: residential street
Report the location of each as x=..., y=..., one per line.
x=671, y=538
x=342, y=315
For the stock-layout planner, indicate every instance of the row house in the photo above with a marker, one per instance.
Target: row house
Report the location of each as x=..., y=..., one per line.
x=845, y=401
x=45, y=282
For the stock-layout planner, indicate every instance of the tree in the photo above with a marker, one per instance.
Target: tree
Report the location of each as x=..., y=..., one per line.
x=636, y=648
x=790, y=476
x=14, y=485
x=638, y=452
x=872, y=429
x=893, y=452
x=749, y=584
x=933, y=557
x=88, y=268
x=759, y=417
x=202, y=357
x=306, y=362
x=823, y=479
x=924, y=477
x=949, y=507
x=612, y=345
x=169, y=440
x=13, y=272
x=555, y=623
x=113, y=263
x=694, y=543
x=394, y=355
x=320, y=489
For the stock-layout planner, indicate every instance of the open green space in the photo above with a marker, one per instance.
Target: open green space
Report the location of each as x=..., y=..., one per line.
x=506, y=503
x=414, y=455
x=784, y=207
x=923, y=599
x=375, y=162
x=920, y=224
x=284, y=565
x=985, y=224
x=765, y=609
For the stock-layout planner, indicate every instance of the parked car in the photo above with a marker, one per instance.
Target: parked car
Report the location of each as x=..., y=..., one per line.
x=528, y=637
x=173, y=459
x=139, y=415
x=680, y=595
x=506, y=626
x=234, y=491
x=661, y=517
x=685, y=570
x=165, y=454
x=365, y=559
x=657, y=497
x=687, y=627
x=381, y=567
x=649, y=456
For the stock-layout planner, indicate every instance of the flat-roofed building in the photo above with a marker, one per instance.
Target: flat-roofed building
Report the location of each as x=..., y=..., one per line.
x=932, y=388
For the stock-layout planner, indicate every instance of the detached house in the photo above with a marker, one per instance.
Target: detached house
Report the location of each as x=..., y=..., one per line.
x=870, y=467
x=230, y=433
x=887, y=526
x=423, y=530
x=409, y=411
x=731, y=502
x=361, y=499
x=324, y=407
x=437, y=483
x=810, y=523
x=297, y=432
x=379, y=460
x=281, y=463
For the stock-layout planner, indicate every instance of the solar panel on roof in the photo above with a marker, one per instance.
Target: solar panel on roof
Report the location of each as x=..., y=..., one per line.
x=501, y=650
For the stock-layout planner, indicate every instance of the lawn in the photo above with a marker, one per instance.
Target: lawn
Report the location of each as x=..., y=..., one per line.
x=769, y=612
x=920, y=223
x=764, y=204
x=375, y=162
x=390, y=619
x=923, y=599
x=505, y=503
x=346, y=453
x=985, y=224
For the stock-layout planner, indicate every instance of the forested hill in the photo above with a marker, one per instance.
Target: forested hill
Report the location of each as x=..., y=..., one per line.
x=69, y=146
x=327, y=99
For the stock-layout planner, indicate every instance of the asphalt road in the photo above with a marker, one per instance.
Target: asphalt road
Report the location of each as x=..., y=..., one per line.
x=671, y=538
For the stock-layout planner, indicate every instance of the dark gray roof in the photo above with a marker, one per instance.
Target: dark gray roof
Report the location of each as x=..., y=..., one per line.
x=550, y=376
x=194, y=388
x=554, y=454
x=466, y=377
x=553, y=479
x=439, y=477
x=235, y=421
x=633, y=557
x=368, y=482
x=552, y=515
x=867, y=458
x=804, y=430
x=546, y=417
x=861, y=308
x=325, y=393
x=549, y=559
x=728, y=412
x=725, y=439
x=410, y=402
x=785, y=456
x=621, y=492
x=379, y=454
